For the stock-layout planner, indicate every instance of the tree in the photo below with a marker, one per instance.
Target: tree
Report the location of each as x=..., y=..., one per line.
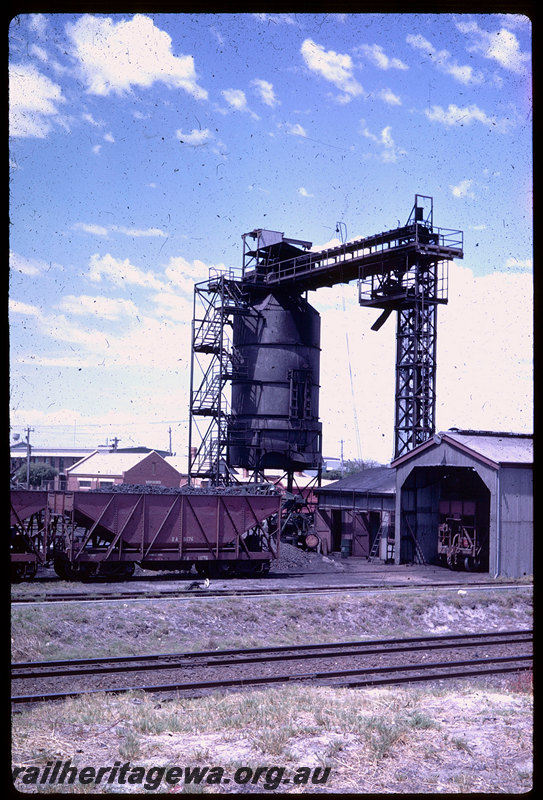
x=350, y=467
x=38, y=474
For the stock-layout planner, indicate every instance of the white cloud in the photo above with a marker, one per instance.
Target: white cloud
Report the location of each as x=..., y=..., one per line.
x=522, y=265
x=90, y=119
x=103, y=307
x=389, y=151
x=388, y=96
x=303, y=192
x=38, y=24
x=184, y=274
x=455, y=116
x=133, y=339
x=501, y=46
x=378, y=57
x=463, y=188
x=96, y=230
x=337, y=68
x=116, y=56
x=39, y=53
x=276, y=19
x=266, y=92
x=350, y=352
x=25, y=266
x=103, y=232
x=255, y=187
x=195, y=138
x=296, y=129
x=484, y=362
x=445, y=62
x=34, y=102
x=138, y=233
x=120, y=272
x=175, y=306
x=237, y=100
x=485, y=351
x=18, y=307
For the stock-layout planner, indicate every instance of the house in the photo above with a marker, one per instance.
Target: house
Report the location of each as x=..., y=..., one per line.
x=100, y=470
x=60, y=458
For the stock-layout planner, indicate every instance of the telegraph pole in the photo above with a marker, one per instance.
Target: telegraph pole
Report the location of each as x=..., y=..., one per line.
x=29, y=430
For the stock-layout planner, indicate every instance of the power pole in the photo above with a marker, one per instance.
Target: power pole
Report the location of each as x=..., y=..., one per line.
x=28, y=449
x=170, y=434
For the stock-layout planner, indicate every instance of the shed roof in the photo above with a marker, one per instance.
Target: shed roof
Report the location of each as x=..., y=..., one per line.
x=503, y=448
x=18, y=450
x=374, y=480
x=107, y=464
x=491, y=446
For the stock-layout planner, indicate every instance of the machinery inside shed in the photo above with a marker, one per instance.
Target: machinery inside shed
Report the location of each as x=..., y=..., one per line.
x=445, y=513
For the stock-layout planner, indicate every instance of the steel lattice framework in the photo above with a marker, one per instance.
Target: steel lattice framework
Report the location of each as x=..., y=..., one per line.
x=415, y=376
x=403, y=270
x=212, y=367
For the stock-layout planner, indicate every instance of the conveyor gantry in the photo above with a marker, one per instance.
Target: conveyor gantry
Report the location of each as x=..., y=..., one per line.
x=359, y=259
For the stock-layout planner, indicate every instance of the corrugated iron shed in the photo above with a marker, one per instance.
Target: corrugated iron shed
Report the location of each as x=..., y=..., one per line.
x=374, y=480
x=495, y=469
x=493, y=447
x=502, y=448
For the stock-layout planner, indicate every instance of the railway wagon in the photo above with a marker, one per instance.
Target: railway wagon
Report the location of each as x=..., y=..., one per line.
x=28, y=543
x=87, y=534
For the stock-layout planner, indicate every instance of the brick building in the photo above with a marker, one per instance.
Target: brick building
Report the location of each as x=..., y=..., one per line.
x=100, y=470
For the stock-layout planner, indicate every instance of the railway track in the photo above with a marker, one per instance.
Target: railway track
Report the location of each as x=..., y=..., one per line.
x=362, y=663
x=187, y=594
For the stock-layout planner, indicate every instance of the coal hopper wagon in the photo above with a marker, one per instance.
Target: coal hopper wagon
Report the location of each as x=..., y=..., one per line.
x=88, y=534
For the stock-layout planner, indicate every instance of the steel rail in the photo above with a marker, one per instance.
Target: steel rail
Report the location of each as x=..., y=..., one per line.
x=65, y=668
x=351, y=678
x=187, y=594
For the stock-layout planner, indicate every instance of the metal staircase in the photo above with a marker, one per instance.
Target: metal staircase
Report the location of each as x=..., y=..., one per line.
x=213, y=364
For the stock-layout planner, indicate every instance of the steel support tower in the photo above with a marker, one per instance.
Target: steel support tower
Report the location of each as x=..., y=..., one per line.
x=212, y=367
x=404, y=270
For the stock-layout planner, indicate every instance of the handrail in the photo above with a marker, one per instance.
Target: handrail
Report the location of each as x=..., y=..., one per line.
x=443, y=242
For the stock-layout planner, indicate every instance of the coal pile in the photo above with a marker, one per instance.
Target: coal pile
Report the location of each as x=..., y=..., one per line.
x=294, y=558
x=129, y=488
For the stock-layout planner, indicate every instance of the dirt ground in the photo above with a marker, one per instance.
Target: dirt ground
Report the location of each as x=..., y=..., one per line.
x=463, y=736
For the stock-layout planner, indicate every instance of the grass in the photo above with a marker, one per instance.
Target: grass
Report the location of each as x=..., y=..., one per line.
x=469, y=736
x=372, y=739
x=79, y=630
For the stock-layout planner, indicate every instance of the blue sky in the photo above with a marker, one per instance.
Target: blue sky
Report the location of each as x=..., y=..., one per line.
x=142, y=147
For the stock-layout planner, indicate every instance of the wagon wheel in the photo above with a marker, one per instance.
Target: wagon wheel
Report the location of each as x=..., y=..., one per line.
x=471, y=563
x=64, y=570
